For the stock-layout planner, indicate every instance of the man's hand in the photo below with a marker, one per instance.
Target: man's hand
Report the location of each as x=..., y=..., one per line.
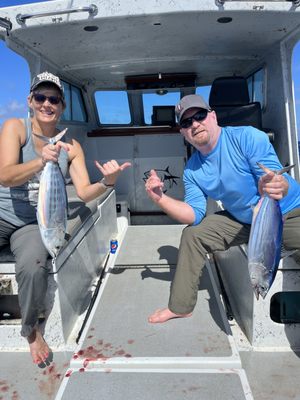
x=272, y=184
x=154, y=186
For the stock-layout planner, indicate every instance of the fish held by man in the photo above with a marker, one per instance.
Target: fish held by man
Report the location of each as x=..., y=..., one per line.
x=52, y=203
x=264, y=247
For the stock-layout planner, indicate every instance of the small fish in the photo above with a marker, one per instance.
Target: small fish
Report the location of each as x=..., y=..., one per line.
x=52, y=203
x=264, y=247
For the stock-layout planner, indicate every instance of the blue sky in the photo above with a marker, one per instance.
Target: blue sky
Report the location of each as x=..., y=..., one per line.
x=15, y=77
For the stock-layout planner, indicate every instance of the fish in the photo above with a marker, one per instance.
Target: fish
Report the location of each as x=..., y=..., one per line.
x=52, y=203
x=265, y=241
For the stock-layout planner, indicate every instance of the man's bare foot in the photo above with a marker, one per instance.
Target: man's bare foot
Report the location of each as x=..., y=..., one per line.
x=38, y=347
x=164, y=315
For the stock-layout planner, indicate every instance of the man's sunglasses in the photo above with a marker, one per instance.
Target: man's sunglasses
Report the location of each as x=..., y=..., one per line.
x=41, y=98
x=199, y=116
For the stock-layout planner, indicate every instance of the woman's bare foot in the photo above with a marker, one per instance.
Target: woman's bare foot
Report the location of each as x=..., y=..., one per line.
x=38, y=347
x=164, y=315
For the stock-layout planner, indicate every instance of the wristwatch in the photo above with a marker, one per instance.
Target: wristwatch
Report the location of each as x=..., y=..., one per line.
x=107, y=185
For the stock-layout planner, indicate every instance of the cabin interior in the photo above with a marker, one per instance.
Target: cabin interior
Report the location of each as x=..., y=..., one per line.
x=123, y=73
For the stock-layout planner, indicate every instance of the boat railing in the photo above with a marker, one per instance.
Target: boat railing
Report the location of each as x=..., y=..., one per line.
x=91, y=9
x=222, y=2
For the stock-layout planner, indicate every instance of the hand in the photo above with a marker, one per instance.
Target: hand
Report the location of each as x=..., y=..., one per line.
x=111, y=170
x=154, y=186
x=273, y=185
x=50, y=152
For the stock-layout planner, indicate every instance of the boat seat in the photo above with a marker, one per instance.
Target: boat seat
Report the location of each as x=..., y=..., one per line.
x=229, y=98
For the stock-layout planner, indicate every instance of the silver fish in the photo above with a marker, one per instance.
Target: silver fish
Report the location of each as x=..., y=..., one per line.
x=52, y=203
x=264, y=247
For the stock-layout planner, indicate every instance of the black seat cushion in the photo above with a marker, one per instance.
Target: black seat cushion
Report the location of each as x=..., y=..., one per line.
x=229, y=98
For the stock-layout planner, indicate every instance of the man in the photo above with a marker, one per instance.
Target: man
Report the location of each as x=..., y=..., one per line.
x=223, y=167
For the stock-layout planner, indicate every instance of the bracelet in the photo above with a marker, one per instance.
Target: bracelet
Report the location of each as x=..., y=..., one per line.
x=107, y=185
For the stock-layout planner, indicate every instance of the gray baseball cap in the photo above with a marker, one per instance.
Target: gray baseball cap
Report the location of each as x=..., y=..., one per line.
x=190, y=101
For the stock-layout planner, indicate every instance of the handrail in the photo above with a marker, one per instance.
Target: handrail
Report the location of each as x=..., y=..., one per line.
x=92, y=10
x=222, y=2
x=6, y=24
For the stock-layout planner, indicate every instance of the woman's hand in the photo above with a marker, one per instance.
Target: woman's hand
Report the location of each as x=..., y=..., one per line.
x=111, y=170
x=50, y=152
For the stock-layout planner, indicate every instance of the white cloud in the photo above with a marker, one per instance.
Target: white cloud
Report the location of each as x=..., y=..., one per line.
x=13, y=109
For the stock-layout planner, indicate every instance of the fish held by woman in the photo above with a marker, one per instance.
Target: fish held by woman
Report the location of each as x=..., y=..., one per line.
x=264, y=247
x=52, y=203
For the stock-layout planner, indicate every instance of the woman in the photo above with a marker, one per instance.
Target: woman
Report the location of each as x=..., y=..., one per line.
x=23, y=156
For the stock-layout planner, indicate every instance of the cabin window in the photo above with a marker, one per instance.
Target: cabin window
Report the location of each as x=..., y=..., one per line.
x=113, y=107
x=256, y=87
x=204, y=92
x=75, y=109
x=284, y=307
x=160, y=98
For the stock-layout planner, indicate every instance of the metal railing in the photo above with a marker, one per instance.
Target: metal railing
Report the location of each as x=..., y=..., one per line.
x=92, y=10
x=222, y=2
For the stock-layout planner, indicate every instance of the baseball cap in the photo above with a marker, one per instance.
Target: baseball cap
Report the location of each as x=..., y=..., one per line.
x=190, y=101
x=47, y=77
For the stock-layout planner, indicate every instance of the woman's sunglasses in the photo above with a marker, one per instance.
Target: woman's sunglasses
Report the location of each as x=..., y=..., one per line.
x=41, y=98
x=199, y=116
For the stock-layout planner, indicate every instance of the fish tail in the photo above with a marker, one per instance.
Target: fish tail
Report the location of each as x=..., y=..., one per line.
x=59, y=136
x=53, y=140
x=279, y=171
x=285, y=169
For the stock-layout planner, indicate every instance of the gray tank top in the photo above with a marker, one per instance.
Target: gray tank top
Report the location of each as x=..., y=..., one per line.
x=18, y=204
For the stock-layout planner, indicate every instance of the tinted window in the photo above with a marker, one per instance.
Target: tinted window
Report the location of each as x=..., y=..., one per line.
x=204, y=92
x=154, y=99
x=113, y=107
x=75, y=110
x=256, y=83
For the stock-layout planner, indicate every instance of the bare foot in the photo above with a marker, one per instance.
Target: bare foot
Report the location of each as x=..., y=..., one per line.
x=38, y=347
x=164, y=315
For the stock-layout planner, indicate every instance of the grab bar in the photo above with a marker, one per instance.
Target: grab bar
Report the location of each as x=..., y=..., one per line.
x=92, y=10
x=222, y=2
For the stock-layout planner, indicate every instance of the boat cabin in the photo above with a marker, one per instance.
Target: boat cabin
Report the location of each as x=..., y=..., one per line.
x=124, y=66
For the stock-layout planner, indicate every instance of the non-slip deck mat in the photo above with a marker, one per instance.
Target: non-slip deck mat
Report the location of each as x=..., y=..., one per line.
x=154, y=386
x=150, y=245
x=119, y=325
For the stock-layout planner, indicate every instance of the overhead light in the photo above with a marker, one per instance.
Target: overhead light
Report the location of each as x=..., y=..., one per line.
x=161, y=92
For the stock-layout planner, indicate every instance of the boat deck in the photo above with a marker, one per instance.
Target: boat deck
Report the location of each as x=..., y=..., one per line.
x=120, y=351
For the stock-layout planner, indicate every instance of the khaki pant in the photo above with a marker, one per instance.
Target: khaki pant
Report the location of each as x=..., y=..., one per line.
x=216, y=232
